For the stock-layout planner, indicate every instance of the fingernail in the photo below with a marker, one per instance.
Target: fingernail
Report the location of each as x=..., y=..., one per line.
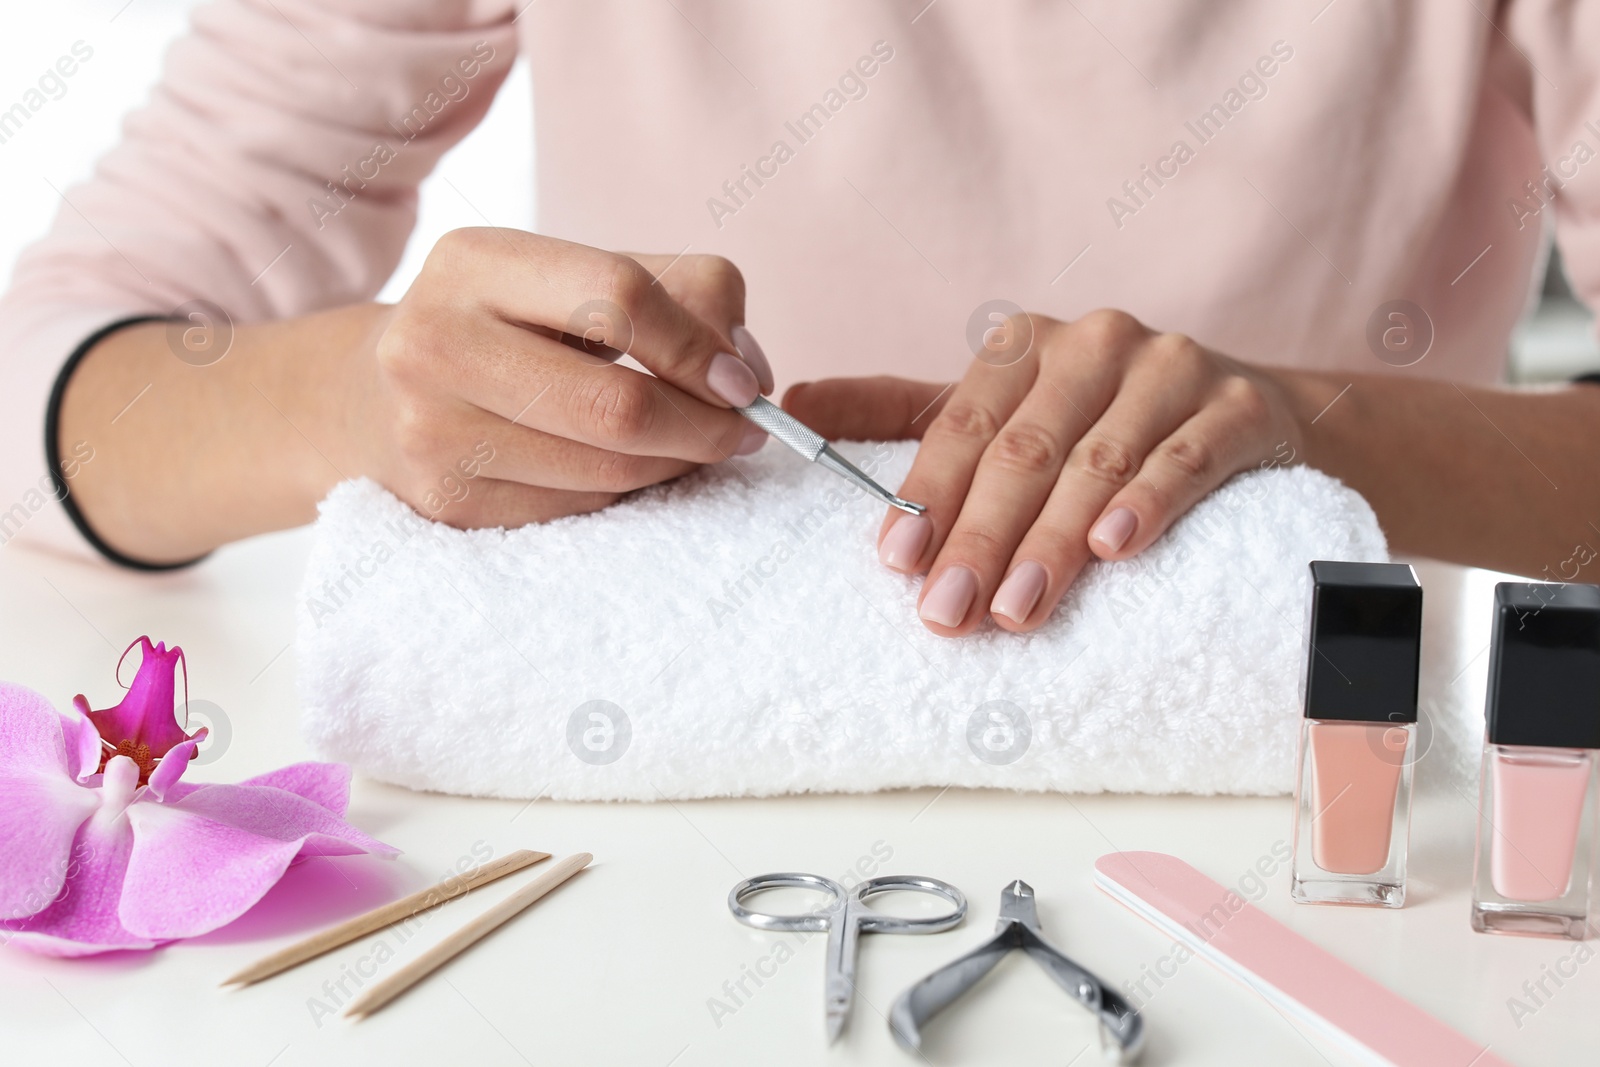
x=902, y=546
x=1020, y=591
x=754, y=437
x=1114, y=530
x=947, y=602
x=732, y=379
x=745, y=342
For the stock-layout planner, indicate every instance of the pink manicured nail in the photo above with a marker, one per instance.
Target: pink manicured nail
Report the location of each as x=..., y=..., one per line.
x=732, y=379
x=902, y=546
x=1114, y=530
x=947, y=602
x=754, y=437
x=1020, y=592
x=745, y=342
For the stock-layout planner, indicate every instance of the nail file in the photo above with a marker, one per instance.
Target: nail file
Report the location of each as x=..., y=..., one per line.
x=1303, y=981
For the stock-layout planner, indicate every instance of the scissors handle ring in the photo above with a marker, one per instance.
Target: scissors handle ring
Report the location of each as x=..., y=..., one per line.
x=876, y=922
x=818, y=920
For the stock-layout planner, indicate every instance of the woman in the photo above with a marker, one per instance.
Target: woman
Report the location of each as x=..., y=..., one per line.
x=1244, y=234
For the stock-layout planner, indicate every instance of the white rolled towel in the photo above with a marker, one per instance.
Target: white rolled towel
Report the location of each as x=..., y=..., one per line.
x=733, y=634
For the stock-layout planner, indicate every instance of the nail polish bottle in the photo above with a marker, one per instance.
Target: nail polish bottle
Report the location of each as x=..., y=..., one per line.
x=1536, y=805
x=1359, y=685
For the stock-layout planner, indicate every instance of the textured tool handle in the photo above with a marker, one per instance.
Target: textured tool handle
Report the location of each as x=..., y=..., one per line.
x=785, y=427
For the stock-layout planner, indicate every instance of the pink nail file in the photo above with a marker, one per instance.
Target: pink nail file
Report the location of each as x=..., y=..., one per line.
x=1295, y=976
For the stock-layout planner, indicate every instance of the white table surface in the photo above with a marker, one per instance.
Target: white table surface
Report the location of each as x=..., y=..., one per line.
x=621, y=965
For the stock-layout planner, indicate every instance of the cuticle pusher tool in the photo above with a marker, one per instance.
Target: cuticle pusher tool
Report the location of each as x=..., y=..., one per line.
x=814, y=447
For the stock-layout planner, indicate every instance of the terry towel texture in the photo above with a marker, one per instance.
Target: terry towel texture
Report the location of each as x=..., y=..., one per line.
x=733, y=634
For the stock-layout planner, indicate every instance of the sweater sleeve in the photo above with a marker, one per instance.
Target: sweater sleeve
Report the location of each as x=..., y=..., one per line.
x=273, y=172
x=1556, y=39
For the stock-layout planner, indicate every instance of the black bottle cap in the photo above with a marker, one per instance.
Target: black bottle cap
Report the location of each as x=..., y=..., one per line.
x=1363, y=638
x=1544, y=666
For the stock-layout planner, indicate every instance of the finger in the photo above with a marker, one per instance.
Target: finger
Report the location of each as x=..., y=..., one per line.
x=881, y=408
x=708, y=286
x=712, y=288
x=530, y=279
x=490, y=502
x=942, y=472
x=1084, y=357
x=1219, y=440
x=518, y=454
x=544, y=385
x=1156, y=396
x=1078, y=381
x=1014, y=478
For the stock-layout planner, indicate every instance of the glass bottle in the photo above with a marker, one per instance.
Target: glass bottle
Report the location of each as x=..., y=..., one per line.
x=1537, y=794
x=1358, y=739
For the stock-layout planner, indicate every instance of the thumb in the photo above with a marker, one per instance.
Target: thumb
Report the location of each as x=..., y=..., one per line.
x=712, y=289
x=866, y=409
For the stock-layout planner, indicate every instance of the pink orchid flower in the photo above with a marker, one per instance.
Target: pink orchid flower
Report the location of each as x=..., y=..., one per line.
x=102, y=853
x=138, y=727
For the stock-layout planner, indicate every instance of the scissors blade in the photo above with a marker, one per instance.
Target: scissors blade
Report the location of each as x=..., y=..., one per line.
x=838, y=1014
x=840, y=986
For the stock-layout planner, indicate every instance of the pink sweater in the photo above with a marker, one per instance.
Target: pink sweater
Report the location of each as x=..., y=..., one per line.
x=1261, y=175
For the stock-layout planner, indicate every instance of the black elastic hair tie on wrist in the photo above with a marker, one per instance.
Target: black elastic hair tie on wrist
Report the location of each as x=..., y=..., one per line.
x=52, y=449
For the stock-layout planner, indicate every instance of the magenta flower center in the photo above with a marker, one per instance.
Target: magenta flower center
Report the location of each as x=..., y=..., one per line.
x=144, y=725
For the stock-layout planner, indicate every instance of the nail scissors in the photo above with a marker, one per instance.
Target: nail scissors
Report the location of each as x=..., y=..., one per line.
x=814, y=447
x=845, y=917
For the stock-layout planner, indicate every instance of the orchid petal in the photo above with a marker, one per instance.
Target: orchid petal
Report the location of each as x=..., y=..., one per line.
x=147, y=713
x=84, y=747
x=171, y=767
x=30, y=732
x=201, y=862
x=327, y=784
x=82, y=920
x=41, y=808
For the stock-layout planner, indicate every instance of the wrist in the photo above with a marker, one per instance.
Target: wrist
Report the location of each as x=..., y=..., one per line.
x=193, y=454
x=1314, y=398
x=318, y=374
x=66, y=420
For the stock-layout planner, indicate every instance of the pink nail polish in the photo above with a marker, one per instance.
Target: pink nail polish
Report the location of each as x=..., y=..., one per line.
x=1020, y=591
x=947, y=602
x=732, y=379
x=902, y=546
x=1353, y=789
x=1114, y=530
x=750, y=349
x=1536, y=838
x=754, y=437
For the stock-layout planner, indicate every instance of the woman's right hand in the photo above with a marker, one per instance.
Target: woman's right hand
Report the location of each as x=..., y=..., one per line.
x=490, y=396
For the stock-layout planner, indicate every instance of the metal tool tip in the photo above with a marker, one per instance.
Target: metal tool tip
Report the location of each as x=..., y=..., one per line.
x=906, y=1034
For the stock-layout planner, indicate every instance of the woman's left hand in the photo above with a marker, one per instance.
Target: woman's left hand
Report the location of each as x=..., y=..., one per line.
x=1090, y=441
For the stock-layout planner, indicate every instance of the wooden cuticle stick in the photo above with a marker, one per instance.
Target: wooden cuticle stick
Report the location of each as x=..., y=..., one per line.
x=384, y=915
x=460, y=940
